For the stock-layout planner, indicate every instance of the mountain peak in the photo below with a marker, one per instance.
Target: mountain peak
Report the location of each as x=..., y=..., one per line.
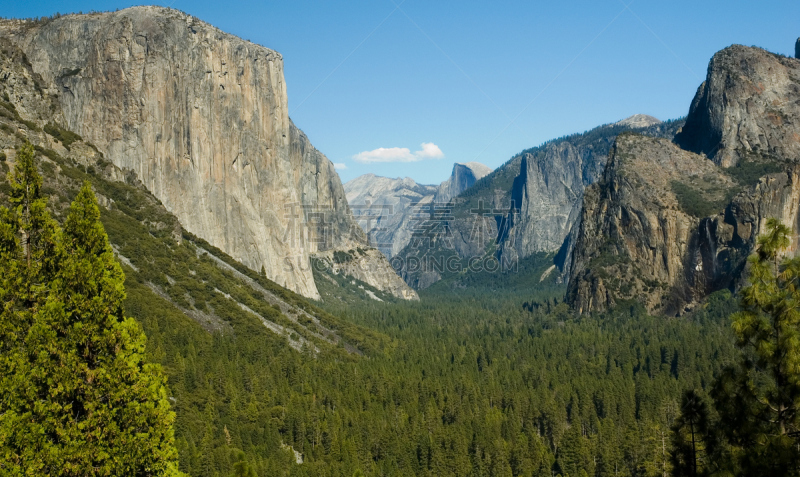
x=639, y=121
x=478, y=169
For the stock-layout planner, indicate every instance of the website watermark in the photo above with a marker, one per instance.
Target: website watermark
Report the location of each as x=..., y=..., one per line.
x=416, y=237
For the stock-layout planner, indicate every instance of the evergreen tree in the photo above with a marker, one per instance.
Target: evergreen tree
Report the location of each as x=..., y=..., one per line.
x=241, y=468
x=758, y=400
x=690, y=437
x=76, y=396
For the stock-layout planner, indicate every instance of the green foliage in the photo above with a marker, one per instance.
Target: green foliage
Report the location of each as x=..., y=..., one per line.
x=516, y=280
x=559, y=393
x=66, y=137
x=758, y=398
x=695, y=202
x=9, y=111
x=464, y=382
x=75, y=394
x=691, y=433
x=72, y=72
x=748, y=172
x=241, y=468
x=707, y=200
x=340, y=257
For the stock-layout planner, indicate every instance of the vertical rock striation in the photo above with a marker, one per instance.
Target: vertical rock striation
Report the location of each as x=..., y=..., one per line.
x=528, y=205
x=546, y=198
x=202, y=117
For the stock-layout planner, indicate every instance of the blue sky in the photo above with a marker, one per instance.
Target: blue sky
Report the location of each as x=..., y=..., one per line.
x=429, y=83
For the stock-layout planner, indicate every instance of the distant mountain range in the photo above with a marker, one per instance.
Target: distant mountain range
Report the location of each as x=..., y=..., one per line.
x=527, y=206
x=389, y=209
x=660, y=212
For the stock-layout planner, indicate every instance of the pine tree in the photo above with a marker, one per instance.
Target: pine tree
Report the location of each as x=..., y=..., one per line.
x=76, y=395
x=690, y=437
x=758, y=400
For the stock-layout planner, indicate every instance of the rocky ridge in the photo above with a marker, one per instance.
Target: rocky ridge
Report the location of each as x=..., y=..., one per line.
x=638, y=121
x=462, y=178
x=383, y=208
x=527, y=206
x=390, y=210
x=201, y=117
x=670, y=223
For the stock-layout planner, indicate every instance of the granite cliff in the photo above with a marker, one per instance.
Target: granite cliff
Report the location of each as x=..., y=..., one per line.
x=546, y=198
x=670, y=223
x=166, y=268
x=201, y=117
x=748, y=104
x=526, y=207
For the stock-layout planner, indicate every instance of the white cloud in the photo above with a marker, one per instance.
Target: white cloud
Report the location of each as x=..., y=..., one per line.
x=399, y=154
x=339, y=166
x=430, y=151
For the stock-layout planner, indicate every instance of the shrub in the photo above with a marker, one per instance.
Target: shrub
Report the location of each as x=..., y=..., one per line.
x=66, y=137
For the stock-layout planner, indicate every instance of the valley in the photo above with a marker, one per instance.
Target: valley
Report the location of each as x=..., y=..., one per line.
x=546, y=317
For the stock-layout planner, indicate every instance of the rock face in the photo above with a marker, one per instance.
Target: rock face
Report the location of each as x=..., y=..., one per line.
x=369, y=266
x=748, y=103
x=547, y=197
x=462, y=178
x=667, y=226
x=383, y=208
x=391, y=210
x=201, y=117
x=634, y=236
x=528, y=205
x=797, y=49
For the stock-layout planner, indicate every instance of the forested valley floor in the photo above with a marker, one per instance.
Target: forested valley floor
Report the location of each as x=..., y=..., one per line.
x=461, y=383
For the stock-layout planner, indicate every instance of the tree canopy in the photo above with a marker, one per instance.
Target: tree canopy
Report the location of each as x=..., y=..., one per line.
x=76, y=395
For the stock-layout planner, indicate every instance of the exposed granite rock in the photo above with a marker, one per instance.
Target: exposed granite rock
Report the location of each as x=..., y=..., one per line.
x=462, y=178
x=528, y=205
x=547, y=197
x=384, y=208
x=201, y=117
x=797, y=49
x=637, y=241
x=749, y=103
x=367, y=265
x=391, y=210
x=667, y=227
x=633, y=235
